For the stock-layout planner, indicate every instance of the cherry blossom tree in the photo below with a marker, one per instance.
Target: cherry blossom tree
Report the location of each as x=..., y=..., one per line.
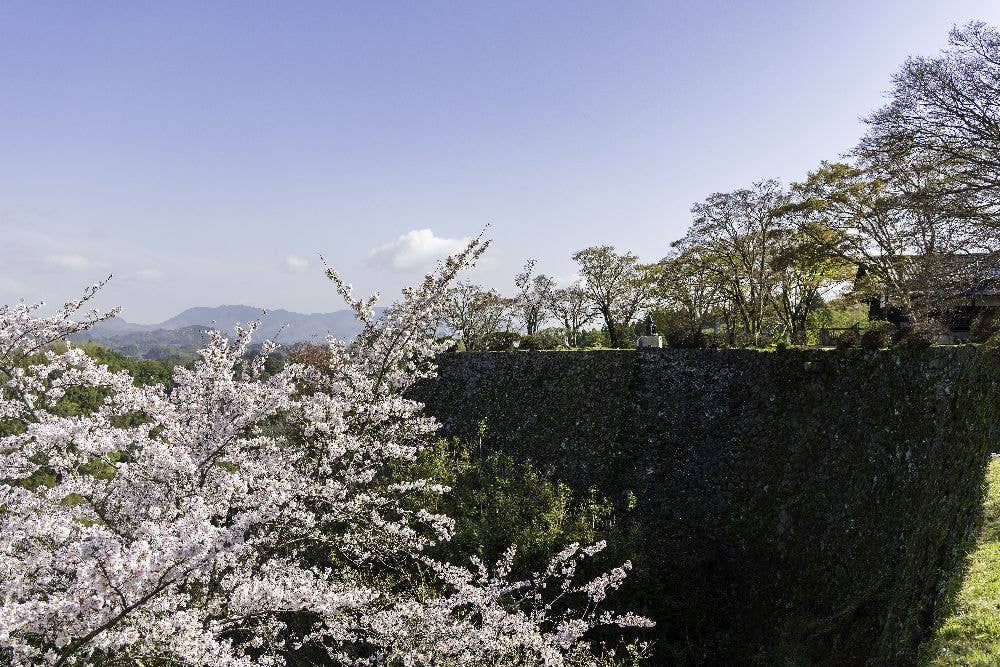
x=242, y=518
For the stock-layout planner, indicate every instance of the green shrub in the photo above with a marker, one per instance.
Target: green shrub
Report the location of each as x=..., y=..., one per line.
x=503, y=341
x=546, y=339
x=878, y=336
x=987, y=324
x=530, y=342
x=848, y=339
x=627, y=337
x=552, y=338
x=497, y=501
x=592, y=338
x=688, y=339
x=918, y=336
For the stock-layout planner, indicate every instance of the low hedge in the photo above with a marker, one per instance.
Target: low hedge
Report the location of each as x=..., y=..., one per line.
x=796, y=507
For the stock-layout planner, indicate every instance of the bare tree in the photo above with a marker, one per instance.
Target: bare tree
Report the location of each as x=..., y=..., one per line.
x=573, y=308
x=617, y=285
x=948, y=108
x=534, y=296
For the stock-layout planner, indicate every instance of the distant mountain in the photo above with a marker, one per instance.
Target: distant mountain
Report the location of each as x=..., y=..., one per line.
x=298, y=327
x=116, y=326
x=185, y=332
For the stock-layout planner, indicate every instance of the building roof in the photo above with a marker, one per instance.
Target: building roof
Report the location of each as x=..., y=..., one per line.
x=979, y=270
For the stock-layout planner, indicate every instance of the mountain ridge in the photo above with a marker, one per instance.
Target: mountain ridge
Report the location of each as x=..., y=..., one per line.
x=184, y=332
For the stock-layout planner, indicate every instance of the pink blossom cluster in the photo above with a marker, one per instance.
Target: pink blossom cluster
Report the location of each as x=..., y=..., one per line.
x=240, y=518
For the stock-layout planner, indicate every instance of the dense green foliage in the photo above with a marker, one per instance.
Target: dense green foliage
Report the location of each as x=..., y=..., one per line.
x=800, y=507
x=498, y=501
x=145, y=371
x=879, y=335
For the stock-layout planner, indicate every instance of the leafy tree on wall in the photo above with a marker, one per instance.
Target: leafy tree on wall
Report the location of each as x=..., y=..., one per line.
x=933, y=154
x=475, y=313
x=736, y=235
x=616, y=285
x=806, y=276
x=688, y=295
x=883, y=217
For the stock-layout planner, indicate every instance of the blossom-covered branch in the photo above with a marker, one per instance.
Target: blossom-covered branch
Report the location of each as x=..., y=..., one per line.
x=246, y=519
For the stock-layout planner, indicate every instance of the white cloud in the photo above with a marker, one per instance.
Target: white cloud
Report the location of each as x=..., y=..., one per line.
x=149, y=275
x=296, y=264
x=70, y=261
x=416, y=249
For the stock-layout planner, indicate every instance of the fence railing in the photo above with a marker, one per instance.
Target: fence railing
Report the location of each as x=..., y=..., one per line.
x=828, y=336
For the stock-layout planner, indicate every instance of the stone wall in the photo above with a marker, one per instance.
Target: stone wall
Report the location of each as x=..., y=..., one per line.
x=794, y=507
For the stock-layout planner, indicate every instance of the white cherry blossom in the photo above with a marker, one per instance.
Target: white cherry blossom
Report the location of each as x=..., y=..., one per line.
x=239, y=518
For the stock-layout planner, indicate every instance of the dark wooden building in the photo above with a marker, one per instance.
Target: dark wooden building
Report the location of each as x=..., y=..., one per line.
x=972, y=299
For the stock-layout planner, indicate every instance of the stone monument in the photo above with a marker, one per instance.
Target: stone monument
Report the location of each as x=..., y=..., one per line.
x=649, y=337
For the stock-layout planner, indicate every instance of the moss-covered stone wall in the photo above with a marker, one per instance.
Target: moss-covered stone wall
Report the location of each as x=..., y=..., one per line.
x=795, y=507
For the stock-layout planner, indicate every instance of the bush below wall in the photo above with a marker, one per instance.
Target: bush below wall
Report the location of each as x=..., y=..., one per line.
x=800, y=507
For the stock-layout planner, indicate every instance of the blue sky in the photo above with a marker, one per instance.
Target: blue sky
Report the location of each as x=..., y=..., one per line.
x=207, y=153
